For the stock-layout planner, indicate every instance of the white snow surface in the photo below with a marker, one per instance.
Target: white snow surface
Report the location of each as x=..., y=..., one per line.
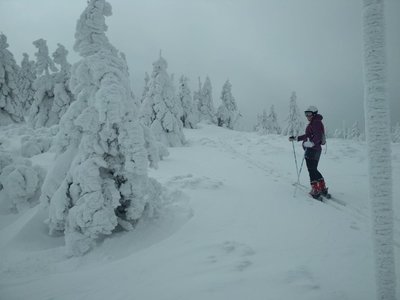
x=230, y=227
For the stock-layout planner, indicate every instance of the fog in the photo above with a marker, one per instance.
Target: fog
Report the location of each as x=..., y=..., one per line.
x=267, y=49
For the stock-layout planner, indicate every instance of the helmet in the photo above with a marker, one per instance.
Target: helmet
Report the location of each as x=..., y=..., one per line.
x=312, y=109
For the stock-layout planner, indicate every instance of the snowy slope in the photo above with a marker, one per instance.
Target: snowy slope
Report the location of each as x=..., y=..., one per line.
x=231, y=228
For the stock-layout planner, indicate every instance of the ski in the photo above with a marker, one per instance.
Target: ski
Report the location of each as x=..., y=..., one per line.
x=304, y=189
x=334, y=199
x=322, y=198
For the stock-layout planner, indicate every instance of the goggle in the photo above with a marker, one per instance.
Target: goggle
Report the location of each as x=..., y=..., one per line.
x=308, y=113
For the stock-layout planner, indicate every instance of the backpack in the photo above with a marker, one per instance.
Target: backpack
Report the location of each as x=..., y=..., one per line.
x=323, y=139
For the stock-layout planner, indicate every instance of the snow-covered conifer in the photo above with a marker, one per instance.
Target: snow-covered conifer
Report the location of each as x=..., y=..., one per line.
x=161, y=109
x=26, y=78
x=355, y=133
x=197, y=95
x=337, y=133
x=205, y=103
x=268, y=123
x=146, y=87
x=189, y=117
x=273, y=125
x=227, y=113
x=377, y=120
x=41, y=113
x=101, y=145
x=44, y=63
x=262, y=123
x=62, y=94
x=295, y=124
x=11, y=109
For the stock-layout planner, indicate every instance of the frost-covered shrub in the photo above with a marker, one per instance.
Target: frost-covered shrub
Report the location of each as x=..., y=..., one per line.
x=156, y=151
x=21, y=184
x=99, y=179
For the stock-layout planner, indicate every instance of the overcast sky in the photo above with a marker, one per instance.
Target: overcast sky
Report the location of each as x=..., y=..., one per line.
x=266, y=48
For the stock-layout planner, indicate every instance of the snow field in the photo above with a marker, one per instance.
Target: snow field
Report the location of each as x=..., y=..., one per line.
x=230, y=228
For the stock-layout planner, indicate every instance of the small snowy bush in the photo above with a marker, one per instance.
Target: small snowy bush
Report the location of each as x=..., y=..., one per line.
x=21, y=183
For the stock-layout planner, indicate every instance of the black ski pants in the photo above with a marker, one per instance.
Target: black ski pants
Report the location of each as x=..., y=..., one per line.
x=312, y=159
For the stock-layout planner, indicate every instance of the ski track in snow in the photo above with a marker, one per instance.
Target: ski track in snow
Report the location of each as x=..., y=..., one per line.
x=278, y=175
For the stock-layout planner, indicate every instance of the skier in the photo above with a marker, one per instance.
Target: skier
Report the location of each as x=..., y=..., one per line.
x=313, y=138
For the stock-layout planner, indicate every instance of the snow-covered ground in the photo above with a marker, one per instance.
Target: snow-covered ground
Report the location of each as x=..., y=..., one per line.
x=232, y=227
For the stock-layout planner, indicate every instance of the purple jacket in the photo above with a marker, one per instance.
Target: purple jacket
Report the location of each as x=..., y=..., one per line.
x=314, y=131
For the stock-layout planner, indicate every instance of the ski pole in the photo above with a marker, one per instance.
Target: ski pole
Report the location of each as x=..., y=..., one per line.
x=301, y=167
x=295, y=160
x=298, y=177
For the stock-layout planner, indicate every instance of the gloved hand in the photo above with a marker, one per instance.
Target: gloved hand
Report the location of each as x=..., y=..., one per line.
x=308, y=144
x=292, y=138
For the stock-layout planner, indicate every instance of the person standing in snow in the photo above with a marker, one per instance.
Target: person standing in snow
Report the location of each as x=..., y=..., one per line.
x=312, y=140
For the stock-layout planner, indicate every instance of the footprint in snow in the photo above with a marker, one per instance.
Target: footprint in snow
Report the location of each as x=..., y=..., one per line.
x=208, y=142
x=235, y=254
x=302, y=278
x=192, y=182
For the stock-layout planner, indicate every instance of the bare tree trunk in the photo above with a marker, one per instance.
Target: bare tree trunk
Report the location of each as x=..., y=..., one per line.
x=377, y=120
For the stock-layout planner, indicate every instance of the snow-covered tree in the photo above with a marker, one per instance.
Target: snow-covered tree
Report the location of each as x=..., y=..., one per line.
x=189, y=116
x=26, y=78
x=41, y=113
x=273, y=126
x=205, y=104
x=227, y=113
x=53, y=95
x=102, y=160
x=146, y=87
x=295, y=124
x=197, y=95
x=355, y=132
x=268, y=123
x=377, y=120
x=262, y=123
x=337, y=134
x=62, y=94
x=161, y=109
x=11, y=109
x=396, y=133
